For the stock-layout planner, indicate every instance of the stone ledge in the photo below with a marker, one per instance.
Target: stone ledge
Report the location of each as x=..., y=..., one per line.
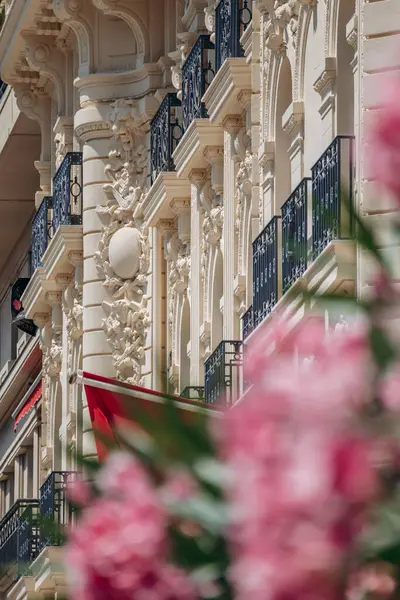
x=166, y=188
x=56, y=262
x=189, y=153
x=223, y=95
x=48, y=571
x=335, y=269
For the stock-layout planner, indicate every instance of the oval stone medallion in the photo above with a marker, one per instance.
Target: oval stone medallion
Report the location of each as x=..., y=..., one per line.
x=124, y=252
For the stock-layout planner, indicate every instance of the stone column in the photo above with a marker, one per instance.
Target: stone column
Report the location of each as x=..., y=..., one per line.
x=18, y=479
x=325, y=86
x=93, y=129
x=36, y=483
x=196, y=286
x=293, y=125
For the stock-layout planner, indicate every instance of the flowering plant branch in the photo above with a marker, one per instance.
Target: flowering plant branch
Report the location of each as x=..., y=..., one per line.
x=293, y=493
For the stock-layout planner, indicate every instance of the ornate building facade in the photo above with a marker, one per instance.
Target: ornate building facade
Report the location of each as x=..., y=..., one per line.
x=172, y=179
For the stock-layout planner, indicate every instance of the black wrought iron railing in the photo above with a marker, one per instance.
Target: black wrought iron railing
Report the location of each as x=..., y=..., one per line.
x=247, y=322
x=19, y=538
x=193, y=392
x=165, y=133
x=197, y=74
x=231, y=20
x=223, y=374
x=332, y=177
x=266, y=267
x=55, y=510
x=294, y=234
x=3, y=88
x=67, y=192
x=41, y=232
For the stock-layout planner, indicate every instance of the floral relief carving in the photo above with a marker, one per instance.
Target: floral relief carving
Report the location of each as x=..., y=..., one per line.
x=243, y=191
x=177, y=253
x=281, y=22
x=126, y=314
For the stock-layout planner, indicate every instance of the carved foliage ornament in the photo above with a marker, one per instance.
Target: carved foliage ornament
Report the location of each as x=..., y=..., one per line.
x=281, y=16
x=127, y=318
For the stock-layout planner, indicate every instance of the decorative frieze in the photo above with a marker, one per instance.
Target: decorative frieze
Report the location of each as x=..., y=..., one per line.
x=123, y=255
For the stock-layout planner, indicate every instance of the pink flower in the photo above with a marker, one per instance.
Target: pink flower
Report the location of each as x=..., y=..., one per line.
x=390, y=390
x=78, y=491
x=123, y=477
x=376, y=579
x=118, y=549
x=384, y=157
x=301, y=478
x=180, y=486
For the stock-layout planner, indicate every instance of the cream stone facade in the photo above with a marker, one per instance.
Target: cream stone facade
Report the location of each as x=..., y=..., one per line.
x=175, y=170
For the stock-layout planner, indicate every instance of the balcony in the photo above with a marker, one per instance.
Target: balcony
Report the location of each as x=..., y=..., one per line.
x=197, y=74
x=312, y=242
x=67, y=192
x=266, y=270
x=55, y=511
x=223, y=374
x=330, y=175
x=247, y=323
x=193, y=392
x=41, y=232
x=295, y=234
x=165, y=133
x=231, y=20
x=19, y=539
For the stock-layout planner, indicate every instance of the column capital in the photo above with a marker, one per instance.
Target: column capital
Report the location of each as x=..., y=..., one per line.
x=180, y=206
x=54, y=298
x=233, y=124
x=75, y=258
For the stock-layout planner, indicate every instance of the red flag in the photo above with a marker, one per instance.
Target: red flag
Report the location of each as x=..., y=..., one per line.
x=107, y=398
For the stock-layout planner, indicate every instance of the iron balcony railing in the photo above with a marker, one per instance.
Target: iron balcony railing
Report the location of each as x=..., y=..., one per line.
x=231, y=20
x=247, y=323
x=223, y=374
x=193, y=392
x=41, y=232
x=197, y=74
x=19, y=538
x=67, y=192
x=165, y=133
x=3, y=88
x=266, y=270
x=55, y=510
x=332, y=180
x=295, y=234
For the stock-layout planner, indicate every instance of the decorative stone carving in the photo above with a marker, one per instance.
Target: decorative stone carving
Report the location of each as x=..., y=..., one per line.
x=123, y=255
x=63, y=138
x=244, y=186
x=178, y=258
x=281, y=16
x=209, y=12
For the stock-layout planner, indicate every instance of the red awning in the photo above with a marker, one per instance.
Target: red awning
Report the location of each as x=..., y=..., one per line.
x=29, y=404
x=107, y=397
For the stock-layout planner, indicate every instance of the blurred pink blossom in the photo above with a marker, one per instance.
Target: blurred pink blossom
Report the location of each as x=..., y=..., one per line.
x=390, y=390
x=302, y=478
x=118, y=551
x=384, y=159
x=78, y=491
x=375, y=579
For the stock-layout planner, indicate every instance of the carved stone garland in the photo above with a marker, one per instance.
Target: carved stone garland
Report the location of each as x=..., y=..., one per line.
x=281, y=14
x=51, y=346
x=127, y=317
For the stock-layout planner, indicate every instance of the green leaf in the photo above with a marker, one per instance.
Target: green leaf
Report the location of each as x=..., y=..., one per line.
x=211, y=514
x=383, y=350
